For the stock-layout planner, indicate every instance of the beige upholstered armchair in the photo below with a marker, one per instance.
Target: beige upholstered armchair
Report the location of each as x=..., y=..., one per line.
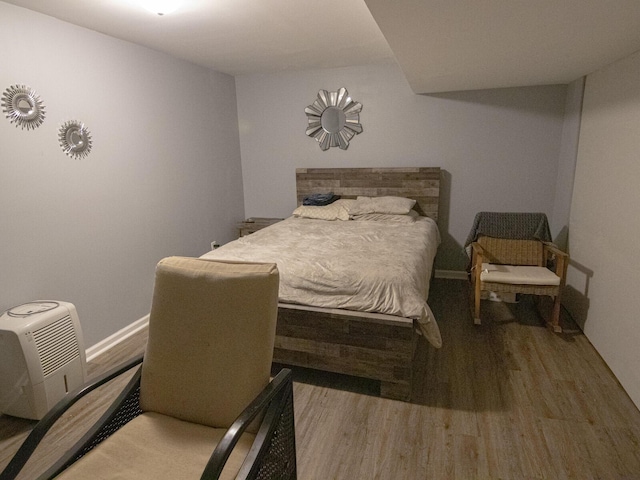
x=517, y=266
x=202, y=404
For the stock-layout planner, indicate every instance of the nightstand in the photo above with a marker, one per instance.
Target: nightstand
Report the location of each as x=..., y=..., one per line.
x=254, y=224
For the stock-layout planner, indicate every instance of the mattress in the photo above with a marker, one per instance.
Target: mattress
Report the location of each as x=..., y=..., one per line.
x=368, y=266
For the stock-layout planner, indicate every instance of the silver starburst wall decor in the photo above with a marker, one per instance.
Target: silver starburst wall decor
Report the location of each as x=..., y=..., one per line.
x=75, y=139
x=333, y=119
x=22, y=106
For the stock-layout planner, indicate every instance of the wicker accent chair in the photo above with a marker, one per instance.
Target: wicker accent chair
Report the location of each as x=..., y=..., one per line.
x=202, y=404
x=517, y=266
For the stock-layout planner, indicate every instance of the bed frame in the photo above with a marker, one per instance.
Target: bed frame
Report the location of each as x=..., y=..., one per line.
x=375, y=346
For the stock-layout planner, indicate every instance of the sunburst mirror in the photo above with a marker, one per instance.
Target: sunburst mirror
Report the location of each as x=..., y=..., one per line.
x=22, y=106
x=75, y=139
x=333, y=119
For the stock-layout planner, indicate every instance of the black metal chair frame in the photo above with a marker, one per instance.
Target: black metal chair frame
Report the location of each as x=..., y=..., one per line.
x=272, y=455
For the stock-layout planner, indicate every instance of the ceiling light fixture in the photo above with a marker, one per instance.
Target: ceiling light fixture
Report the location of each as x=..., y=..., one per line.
x=161, y=7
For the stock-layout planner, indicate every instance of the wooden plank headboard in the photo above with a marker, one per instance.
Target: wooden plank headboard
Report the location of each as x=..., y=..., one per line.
x=420, y=183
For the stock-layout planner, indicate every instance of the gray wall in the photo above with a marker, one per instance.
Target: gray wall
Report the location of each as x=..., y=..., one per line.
x=604, y=272
x=499, y=148
x=567, y=164
x=164, y=176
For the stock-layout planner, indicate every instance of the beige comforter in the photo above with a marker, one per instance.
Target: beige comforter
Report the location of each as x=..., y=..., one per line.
x=368, y=266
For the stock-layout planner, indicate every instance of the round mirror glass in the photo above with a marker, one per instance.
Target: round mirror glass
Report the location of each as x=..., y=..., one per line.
x=25, y=106
x=333, y=120
x=74, y=137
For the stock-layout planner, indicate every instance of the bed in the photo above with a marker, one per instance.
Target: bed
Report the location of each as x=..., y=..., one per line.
x=353, y=293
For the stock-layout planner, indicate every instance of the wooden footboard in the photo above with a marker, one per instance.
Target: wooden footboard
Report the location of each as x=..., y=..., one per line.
x=369, y=345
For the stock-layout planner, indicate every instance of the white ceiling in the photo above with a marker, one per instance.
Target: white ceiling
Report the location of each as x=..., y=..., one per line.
x=441, y=45
x=444, y=45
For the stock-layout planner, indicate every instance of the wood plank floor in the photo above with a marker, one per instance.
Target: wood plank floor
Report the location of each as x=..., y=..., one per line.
x=506, y=400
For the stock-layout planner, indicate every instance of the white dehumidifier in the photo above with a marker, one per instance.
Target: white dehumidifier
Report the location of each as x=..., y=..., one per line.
x=42, y=357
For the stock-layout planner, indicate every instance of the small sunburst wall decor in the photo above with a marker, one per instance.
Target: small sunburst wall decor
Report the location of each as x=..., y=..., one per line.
x=333, y=119
x=22, y=106
x=75, y=139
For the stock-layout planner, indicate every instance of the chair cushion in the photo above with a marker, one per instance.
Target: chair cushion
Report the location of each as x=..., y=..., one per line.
x=211, y=336
x=519, y=275
x=154, y=447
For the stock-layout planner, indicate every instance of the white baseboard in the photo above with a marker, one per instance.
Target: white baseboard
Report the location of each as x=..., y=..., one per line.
x=112, y=340
x=451, y=274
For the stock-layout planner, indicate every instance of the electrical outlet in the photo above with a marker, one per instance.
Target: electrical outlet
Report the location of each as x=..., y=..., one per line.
x=214, y=245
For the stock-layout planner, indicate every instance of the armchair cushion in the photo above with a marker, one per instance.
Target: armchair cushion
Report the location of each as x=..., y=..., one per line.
x=141, y=448
x=519, y=275
x=211, y=336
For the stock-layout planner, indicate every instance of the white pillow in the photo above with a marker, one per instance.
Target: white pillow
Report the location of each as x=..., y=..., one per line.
x=346, y=202
x=389, y=205
x=326, y=212
x=385, y=217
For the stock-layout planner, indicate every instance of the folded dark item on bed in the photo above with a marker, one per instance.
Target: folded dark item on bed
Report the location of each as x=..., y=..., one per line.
x=320, y=199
